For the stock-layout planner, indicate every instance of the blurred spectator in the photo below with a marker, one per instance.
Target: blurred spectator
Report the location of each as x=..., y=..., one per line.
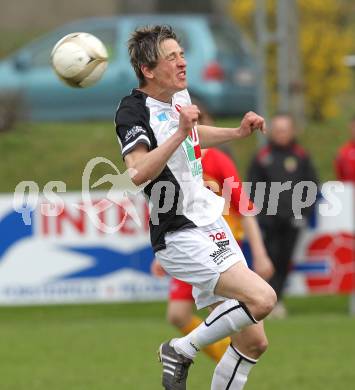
x=345, y=160
x=282, y=159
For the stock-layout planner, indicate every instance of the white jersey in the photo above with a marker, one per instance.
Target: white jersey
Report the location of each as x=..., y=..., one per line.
x=177, y=197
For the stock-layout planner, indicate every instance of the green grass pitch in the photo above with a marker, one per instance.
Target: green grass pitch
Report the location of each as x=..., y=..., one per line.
x=113, y=346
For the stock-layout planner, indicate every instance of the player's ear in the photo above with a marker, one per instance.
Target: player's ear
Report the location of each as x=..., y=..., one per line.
x=147, y=72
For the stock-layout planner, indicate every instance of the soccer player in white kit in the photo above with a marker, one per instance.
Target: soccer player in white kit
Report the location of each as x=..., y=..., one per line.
x=160, y=141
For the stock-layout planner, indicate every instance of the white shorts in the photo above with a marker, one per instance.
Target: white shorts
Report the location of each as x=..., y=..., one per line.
x=198, y=256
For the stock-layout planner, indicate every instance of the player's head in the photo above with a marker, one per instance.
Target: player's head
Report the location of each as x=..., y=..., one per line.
x=283, y=129
x=157, y=58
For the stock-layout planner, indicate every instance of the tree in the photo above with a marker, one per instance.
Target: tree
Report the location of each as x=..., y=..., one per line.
x=325, y=39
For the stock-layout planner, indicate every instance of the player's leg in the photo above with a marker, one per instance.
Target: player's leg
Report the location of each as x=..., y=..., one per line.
x=241, y=283
x=274, y=238
x=190, y=255
x=233, y=369
x=287, y=245
x=279, y=277
x=180, y=305
x=251, y=299
x=251, y=341
x=180, y=314
x=283, y=241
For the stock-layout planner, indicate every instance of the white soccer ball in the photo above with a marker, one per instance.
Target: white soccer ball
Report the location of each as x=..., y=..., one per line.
x=79, y=59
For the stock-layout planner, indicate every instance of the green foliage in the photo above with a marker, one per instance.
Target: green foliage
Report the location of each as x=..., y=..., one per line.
x=326, y=37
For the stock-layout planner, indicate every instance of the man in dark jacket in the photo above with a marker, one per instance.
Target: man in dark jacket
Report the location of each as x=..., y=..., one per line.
x=282, y=163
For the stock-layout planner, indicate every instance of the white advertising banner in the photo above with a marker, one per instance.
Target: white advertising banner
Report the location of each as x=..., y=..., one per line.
x=324, y=259
x=68, y=258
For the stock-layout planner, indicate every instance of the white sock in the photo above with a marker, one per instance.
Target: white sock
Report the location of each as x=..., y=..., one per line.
x=227, y=318
x=232, y=370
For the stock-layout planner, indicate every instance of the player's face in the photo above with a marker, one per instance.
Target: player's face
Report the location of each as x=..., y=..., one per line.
x=282, y=131
x=170, y=72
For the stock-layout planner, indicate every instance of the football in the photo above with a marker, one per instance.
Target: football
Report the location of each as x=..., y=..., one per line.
x=79, y=59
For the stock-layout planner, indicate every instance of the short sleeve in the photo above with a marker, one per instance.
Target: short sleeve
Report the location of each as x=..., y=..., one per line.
x=132, y=124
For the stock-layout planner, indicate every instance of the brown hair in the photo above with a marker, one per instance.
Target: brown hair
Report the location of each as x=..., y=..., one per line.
x=144, y=47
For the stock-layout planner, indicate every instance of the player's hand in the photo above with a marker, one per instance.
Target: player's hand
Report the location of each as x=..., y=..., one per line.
x=263, y=266
x=156, y=269
x=251, y=122
x=188, y=118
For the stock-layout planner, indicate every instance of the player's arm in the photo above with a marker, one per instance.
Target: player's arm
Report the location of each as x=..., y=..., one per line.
x=261, y=262
x=211, y=136
x=147, y=165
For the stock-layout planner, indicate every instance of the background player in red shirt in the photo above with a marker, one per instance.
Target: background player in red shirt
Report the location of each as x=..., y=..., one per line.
x=217, y=167
x=345, y=160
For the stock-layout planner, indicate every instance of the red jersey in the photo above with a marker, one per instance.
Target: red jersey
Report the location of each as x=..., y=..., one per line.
x=217, y=167
x=345, y=163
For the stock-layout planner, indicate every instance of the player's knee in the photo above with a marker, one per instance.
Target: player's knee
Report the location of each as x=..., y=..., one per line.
x=268, y=301
x=255, y=348
x=264, y=302
x=260, y=346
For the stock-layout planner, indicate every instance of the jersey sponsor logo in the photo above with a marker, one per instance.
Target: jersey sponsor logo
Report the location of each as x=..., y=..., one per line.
x=192, y=145
x=221, y=254
x=189, y=149
x=218, y=236
x=196, y=168
x=162, y=117
x=133, y=132
x=193, y=152
x=193, y=137
x=222, y=243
